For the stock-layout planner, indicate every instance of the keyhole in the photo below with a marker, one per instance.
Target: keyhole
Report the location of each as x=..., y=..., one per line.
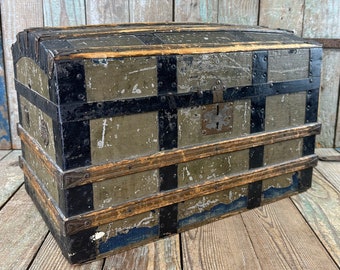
x=217, y=113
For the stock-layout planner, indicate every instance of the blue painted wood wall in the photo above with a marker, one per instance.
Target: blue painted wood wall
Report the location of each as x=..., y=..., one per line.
x=5, y=138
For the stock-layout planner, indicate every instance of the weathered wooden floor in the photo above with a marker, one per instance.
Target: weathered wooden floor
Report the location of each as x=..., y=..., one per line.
x=302, y=232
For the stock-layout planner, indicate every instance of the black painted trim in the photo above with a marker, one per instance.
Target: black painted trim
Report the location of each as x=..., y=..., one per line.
x=257, y=124
x=305, y=179
x=77, y=200
x=168, y=137
x=45, y=105
x=70, y=81
x=308, y=145
x=315, y=60
x=80, y=248
x=79, y=111
x=260, y=67
x=76, y=144
x=167, y=99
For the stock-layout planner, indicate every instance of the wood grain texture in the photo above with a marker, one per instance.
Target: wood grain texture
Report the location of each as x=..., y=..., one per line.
x=64, y=12
x=242, y=12
x=318, y=205
x=16, y=15
x=162, y=254
x=107, y=11
x=331, y=171
x=50, y=257
x=322, y=19
x=22, y=232
x=150, y=11
x=11, y=176
x=87, y=220
x=282, y=14
x=125, y=167
x=223, y=244
x=283, y=240
x=196, y=11
x=329, y=91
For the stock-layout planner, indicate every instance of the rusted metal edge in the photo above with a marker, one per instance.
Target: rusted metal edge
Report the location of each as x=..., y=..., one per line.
x=96, y=218
x=108, y=171
x=177, y=49
x=38, y=151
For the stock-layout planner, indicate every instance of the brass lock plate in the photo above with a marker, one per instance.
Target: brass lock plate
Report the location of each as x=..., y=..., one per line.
x=217, y=118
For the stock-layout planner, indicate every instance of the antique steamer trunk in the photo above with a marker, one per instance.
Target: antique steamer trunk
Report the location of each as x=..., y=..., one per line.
x=131, y=133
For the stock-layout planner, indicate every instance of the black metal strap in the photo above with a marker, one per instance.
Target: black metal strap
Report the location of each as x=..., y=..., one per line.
x=258, y=112
x=168, y=138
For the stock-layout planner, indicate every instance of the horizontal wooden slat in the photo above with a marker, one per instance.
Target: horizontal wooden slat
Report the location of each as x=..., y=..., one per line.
x=108, y=171
x=166, y=158
x=178, y=49
x=43, y=157
x=41, y=197
x=135, y=28
x=95, y=218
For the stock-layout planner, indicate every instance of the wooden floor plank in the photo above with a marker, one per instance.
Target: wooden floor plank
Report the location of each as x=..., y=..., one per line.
x=50, y=257
x=223, y=244
x=331, y=171
x=161, y=255
x=22, y=232
x=283, y=240
x=318, y=206
x=11, y=176
x=3, y=153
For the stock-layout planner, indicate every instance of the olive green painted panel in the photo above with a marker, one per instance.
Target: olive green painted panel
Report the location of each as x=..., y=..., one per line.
x=38, y=125
x=123, y=189
x=190, y=124
x=110, y=79
x=201, y=72
x=206, y=203
x=284, y=151
x=123, y=137
x=282, y=181
x=284, y=65
x=42, y=173
x=32, y=76
x=284, y=111
x=206, y=169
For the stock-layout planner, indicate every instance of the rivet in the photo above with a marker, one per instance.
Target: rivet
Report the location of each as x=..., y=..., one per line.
x=79, y=76
x=163, y=99
x=81, y=96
